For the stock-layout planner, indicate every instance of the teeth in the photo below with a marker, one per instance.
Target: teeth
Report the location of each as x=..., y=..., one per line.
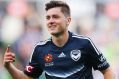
x=52, y=26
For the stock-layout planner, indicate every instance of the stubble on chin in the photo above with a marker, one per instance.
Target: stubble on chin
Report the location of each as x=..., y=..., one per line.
x=57, y=34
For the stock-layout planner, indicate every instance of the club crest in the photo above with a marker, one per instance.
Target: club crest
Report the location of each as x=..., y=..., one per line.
x=75, y=55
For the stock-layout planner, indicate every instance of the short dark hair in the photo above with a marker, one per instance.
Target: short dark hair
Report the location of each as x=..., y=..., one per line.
x=64, y=7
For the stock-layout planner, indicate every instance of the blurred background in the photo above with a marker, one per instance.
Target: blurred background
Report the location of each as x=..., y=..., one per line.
x=22, y=25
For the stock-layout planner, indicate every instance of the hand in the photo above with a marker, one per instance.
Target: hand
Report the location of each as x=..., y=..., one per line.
x=9, y=57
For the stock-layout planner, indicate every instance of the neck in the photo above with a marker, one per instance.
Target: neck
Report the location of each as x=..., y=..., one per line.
x=61, y=40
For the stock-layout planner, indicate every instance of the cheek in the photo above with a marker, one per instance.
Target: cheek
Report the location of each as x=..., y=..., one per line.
x=62, y=27
x=62, y=22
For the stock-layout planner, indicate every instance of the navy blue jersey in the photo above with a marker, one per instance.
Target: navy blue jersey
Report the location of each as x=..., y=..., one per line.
x=74, y=60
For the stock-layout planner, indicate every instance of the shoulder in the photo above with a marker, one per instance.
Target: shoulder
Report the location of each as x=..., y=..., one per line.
x=45, y=42
x=42, y=44
x=81, y=37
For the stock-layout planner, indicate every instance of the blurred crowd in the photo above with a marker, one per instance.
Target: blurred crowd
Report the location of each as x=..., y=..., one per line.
x=22, y=26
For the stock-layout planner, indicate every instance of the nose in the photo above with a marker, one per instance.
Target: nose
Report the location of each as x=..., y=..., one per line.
x=51, y=20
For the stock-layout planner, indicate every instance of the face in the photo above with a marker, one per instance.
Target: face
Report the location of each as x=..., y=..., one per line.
x=56, y=21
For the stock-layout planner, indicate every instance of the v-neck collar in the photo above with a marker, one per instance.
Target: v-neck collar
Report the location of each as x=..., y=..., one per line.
x=56, y=47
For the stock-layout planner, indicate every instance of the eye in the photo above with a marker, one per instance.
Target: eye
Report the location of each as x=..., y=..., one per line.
x=47, y=17
x=55, y=16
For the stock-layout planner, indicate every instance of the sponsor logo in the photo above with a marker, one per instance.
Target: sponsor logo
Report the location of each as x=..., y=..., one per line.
x=102, y=64
x=48, y=58
x=29, y=68
x=75, y=55
x=49, y=64
x=61, y=55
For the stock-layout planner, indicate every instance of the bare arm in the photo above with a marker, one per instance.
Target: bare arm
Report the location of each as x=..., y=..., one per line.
x=9, y=58
x=16, y=73
x=108, y=74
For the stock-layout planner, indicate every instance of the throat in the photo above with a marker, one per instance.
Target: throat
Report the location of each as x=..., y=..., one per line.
x=61, y=40
x=60, y=43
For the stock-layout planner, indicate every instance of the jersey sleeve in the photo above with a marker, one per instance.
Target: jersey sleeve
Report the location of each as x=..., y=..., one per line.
x=97, y=59
x=33, y=69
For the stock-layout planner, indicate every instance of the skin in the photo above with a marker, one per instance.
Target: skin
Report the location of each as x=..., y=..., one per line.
x=9, y=58
x=57, y=24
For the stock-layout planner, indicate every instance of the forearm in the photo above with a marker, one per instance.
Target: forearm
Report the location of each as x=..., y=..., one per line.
x=9, y=58
x=15, y=73
x=108, y=74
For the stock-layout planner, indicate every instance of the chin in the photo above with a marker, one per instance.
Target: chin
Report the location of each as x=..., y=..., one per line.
x=53, y=33
x=56, y=34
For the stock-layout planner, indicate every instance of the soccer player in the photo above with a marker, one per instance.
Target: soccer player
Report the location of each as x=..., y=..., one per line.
x=63, y=56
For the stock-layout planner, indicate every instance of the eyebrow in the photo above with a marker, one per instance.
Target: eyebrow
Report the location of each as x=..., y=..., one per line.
x=51, y=15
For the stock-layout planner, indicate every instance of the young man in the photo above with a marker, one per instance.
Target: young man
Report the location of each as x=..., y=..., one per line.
x=65, y=55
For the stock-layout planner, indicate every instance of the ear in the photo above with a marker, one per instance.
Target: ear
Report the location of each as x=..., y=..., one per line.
x=68, y=20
